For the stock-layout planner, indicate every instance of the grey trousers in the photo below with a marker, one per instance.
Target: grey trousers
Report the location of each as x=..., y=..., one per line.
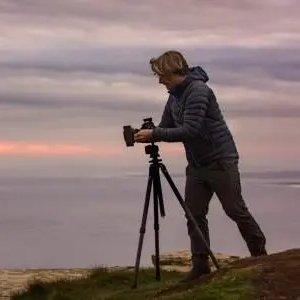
x=223, y=178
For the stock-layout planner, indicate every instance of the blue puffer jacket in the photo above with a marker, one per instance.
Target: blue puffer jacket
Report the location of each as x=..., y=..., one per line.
x=192, y=116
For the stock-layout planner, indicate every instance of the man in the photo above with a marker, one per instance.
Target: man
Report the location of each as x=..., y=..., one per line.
x=192, y=116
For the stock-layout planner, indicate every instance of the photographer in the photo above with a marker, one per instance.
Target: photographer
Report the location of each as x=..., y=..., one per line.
x=192, y=116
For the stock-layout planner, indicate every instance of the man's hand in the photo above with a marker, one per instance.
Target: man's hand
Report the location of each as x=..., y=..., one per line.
x=143, y=136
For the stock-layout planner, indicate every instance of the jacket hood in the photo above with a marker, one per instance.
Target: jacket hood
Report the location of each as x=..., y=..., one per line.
x=195, y=73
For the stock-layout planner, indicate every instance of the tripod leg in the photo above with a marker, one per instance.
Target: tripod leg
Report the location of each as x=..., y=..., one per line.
x=159, y=193
x=188, y=212
x=143, y=228
x=156, y=222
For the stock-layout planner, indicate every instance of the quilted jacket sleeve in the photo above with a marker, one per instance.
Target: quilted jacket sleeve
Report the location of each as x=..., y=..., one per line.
x=196, y=104
x=166, y=119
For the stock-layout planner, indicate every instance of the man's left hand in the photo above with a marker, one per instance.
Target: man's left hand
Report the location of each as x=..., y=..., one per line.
x=143, y=136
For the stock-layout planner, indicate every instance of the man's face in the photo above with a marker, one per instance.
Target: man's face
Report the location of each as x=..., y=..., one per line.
x=170, y=80
x=167, y=80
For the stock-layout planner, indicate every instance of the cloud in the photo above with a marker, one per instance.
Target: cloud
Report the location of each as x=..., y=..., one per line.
x=188, y=15
x=226, y=66
x=46, y=148
x=89, y=106
x=37, y=149
x=134, y=23
x=74, y=72
x=266, y=112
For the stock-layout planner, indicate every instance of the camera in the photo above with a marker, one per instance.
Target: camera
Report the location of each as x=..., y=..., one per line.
x=129, y=132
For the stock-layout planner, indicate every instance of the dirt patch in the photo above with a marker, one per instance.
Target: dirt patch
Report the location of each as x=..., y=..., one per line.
x=276, y=277
x=280, y=276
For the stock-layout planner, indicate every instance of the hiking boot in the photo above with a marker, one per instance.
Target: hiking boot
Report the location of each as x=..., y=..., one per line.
x=196, y=272
x=258, y=251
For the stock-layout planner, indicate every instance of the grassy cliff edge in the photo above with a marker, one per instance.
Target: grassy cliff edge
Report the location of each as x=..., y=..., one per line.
x=276, y=276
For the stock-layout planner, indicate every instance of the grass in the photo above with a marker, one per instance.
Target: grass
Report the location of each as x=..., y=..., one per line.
x=116, y=285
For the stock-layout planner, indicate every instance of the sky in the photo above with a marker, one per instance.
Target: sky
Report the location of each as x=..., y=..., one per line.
x=73, y=73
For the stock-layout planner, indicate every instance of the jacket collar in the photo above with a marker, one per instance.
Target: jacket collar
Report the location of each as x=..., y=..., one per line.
x=178, y=89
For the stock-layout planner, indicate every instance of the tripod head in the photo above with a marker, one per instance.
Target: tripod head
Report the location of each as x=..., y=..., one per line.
x=152, y=150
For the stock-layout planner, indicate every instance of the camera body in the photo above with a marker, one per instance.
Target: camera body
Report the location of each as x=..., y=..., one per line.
x=129, y=132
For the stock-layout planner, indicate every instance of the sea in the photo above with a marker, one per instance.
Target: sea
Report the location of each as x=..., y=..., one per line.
x=92, y=222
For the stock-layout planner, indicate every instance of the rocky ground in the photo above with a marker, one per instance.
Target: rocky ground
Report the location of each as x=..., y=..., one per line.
x=12, y=280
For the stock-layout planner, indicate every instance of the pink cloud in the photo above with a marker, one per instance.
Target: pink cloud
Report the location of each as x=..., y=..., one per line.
x=172, y=148
x=278, y=151
x=44, y=148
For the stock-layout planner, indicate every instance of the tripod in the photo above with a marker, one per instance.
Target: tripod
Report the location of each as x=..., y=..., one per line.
x=154, y=179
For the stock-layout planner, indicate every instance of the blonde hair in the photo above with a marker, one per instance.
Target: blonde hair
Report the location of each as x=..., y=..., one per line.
x=170, y=62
